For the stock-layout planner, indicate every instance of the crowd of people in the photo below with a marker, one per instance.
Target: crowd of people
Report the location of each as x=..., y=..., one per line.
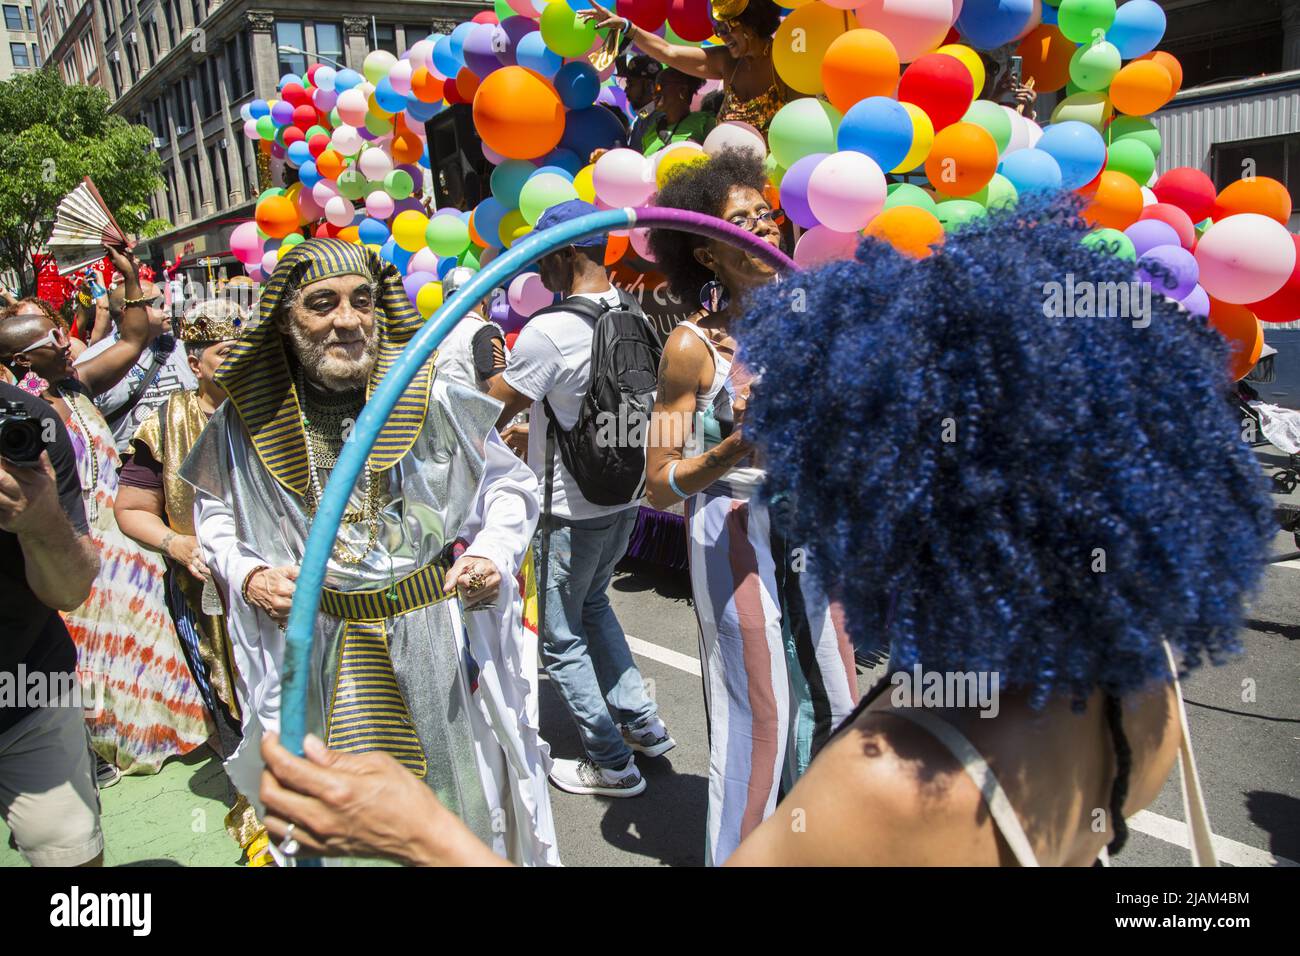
x=153, y=548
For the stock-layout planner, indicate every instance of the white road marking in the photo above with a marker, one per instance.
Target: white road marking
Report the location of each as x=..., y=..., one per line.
x=1144, y=821
x=1293, y=565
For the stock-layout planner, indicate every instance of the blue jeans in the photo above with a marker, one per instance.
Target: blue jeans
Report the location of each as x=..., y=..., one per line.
x=583, y=645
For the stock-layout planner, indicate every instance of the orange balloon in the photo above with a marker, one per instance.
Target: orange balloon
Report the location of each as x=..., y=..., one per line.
x=1262, y=195
x=518, y=114
x=1140, y=88
x=962, y=160
x=329, y=164
x=1244, y=332
x=772, y=193
x=474, y=237
x=467, y=84
x=615, y=247
x=1116, y=203
x=1171, y=65
x=1046, y=54
x=349, y=234
x=426, y=87
x=277, y=216
x=858, y=64
x=909, y=229
x=407, y=148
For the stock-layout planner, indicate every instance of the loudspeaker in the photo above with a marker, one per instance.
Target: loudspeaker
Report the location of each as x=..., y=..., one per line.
x=461, y=173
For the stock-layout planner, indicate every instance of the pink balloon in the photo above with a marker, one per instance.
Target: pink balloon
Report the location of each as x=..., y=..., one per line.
x=308, y=208
x=846, y=191
x=269, y=259
x=324, y=191
x=525, y=8
x=339, y=212
x=379, y=204
x=623, y=177
x=250, y=129
x=424, y=260
x=914, y=26
x=246, y=243
x=1245, y=258
x=491, y=155
x=820, y=245
x=400, y=76
x=255, y=273
x=641, y=244
x=324, y=100
x=527, y=294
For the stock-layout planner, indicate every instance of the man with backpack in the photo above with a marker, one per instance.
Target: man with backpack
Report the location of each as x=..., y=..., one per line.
x=576, y=364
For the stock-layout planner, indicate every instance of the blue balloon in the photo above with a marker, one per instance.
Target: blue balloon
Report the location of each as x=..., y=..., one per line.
x=1139, y=26
x=480, y=51
x=591, y=129
x=533, y=53
x=1032, y=170
x=1050, y=15
x=446, y=265
x=420, y=111
x=308, y=175
x=458, y=38
x=424, y=157
x=487, y=220
x=388, y=98
x=259, y=108
x=289, y=78
x=988, y=24
x=345, y=80
x=298, y=153
x=386, y=250
x=397, y=256
x=880, y=127
x=578, y=84
x=558, y=170
x=508, y=179
x=569, y=161
x=372, y=231
x=445, y=61
x=1077, y=148
x=509, y=32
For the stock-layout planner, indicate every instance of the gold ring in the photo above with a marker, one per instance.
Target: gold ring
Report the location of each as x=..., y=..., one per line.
x=477, y=581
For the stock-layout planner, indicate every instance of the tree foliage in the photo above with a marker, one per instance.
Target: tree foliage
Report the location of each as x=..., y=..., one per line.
x=53, y=134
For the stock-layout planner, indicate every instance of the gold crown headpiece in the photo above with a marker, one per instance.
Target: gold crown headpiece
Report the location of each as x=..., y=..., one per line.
x=214, y=320
x=724, y=10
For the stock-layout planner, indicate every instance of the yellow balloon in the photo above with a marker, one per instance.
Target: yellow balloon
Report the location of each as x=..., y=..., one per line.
x=922, y=139
x=584, y=183
x=429, y=298
x=972, y=61
x=519, y=234
x=376, y=109
x=282, y=251
x=674, y=158
x=408, y=229
x=800, y=45
x=510, y=222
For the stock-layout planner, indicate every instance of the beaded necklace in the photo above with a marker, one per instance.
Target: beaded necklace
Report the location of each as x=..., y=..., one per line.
x=92, y=504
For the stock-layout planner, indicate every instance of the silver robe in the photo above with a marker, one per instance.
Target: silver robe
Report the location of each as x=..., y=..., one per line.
x=442, y=659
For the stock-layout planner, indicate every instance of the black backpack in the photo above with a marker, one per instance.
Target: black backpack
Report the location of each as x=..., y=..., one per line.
x=601, y=450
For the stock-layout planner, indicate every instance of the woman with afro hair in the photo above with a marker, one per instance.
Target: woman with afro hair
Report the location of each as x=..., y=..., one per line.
x=778, y=674
x=1062, y=503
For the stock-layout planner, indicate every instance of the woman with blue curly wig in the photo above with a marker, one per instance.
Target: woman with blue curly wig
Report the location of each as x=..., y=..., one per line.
x=1057, y=507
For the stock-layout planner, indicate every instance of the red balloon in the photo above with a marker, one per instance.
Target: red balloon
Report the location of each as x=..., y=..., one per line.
x=690, y=19
x=486, y=16
x=647, y=14
x=311, y=73
x=304, y=117
x=318, y=144
x=1284, y=304
x=1175, y=217
x=295, y=94
x=940, y=85
x=1190, y=190
x=291, y=135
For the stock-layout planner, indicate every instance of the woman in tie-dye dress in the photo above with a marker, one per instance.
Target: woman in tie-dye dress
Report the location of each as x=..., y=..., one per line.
x=777, y=665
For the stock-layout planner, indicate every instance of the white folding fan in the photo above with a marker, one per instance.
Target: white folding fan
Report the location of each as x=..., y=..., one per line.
x=83, y=229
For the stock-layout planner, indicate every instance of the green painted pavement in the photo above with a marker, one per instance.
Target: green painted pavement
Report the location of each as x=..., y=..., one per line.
x=173, y=818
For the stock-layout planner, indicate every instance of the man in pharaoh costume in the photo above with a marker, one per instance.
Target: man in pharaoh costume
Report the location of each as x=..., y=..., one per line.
x=419, y=651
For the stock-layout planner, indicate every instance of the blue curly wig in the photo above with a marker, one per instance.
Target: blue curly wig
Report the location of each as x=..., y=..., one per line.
x=993, y=489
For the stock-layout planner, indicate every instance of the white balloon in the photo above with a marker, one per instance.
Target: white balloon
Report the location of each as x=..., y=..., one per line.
x=346, y=140
x=375, y=163
x=1148, y=197
x=1035, y=131
x=1019, y=132
x=339, y=212
x=735, y=135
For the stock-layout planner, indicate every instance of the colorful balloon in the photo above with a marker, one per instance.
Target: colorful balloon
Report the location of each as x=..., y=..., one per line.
x=940, y=85
x=962, y=161
x=859, y=64
x=518, y=113
x=846, y=191
x=1245, y=258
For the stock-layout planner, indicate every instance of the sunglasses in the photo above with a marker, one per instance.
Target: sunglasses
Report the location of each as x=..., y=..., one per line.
x=750, y=223
x=55, y=337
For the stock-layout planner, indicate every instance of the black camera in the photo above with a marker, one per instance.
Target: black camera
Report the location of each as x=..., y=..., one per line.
x=21, y=440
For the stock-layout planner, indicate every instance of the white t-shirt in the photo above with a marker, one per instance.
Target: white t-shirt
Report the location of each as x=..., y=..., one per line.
x=455, y=358
x=174, y=376
x=551, y=359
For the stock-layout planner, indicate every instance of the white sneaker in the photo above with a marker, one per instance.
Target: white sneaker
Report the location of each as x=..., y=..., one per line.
x=583, y=776
x=651, y=738
x=105, y=773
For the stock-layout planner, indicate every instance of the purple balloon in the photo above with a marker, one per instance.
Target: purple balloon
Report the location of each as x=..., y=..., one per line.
x=282, y=113
x=416, y=281
x=794, y=190
x=1149, y=233
x=508, y=34
x=500, y=310
x=1179, y=263
x=411, y=204
x=1198, y=303
x=514, y=321
x=480, y=51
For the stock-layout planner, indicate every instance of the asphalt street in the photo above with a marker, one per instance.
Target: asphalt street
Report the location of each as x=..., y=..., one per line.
x=1248, y=751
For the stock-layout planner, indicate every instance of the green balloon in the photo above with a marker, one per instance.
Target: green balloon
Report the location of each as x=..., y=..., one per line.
x=1132, y=158
x=1091, y=108
x=564, y=33
x=293, y=239
x=1111, y=241
x=1080, y=20
x=470, y=258
x=352, y=185
x=998, y=194
x=315, y=131
x=775, y=172
x=399, y=184
x=955, y=213
x=273, y=191
x=266, y=127
x=447, y=235
x=541, y=192
x=1135, y=127
x=1094, y=65
x=335, y=120
x=907, y=194
x=989, y=116
x=802, y=127
x=503, y=10
x=378, y=125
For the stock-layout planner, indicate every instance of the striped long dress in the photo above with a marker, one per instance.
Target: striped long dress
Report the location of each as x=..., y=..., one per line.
x=128, y=654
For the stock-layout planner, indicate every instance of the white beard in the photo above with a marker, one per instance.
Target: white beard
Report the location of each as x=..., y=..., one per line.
x=330, y=372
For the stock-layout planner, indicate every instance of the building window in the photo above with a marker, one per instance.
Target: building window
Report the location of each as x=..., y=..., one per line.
x=385, y=36
x=126, y=8
x=329, y=42
x=225, y=170
x=199, y=9
x=107, y=11
x=13, y=18
x=70, y=68
x=116, y=70
x=171, y=28
x=1253, y=49
x=149, y=44
x=88, y=51
x=219, y=188
x=415, y=32
x=131, y=62
x=19, y=53
x=1277, y=157
x=205, y=90
x=288, y=33
x=159, y=117
x=170, y=189
x=63, y=15
x=36, y=56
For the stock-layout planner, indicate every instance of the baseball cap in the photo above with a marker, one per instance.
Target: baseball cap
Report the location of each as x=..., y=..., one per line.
x=642, y=66
x=568, y=210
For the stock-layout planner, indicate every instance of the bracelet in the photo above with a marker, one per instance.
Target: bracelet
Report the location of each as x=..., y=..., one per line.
x=142, y=300
x=168, y=538
x=243, y=588
x=672, y=480
x=84, y=299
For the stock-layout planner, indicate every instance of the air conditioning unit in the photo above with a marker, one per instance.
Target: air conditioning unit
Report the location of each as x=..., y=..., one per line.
x=159, y=142
x=130, y=38
x=182, y=130
x=223, y=144
x=115, y=56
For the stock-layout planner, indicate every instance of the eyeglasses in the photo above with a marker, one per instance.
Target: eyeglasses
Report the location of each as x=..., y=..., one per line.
x=750, y=223
x=55, y=337
x=722, y=28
